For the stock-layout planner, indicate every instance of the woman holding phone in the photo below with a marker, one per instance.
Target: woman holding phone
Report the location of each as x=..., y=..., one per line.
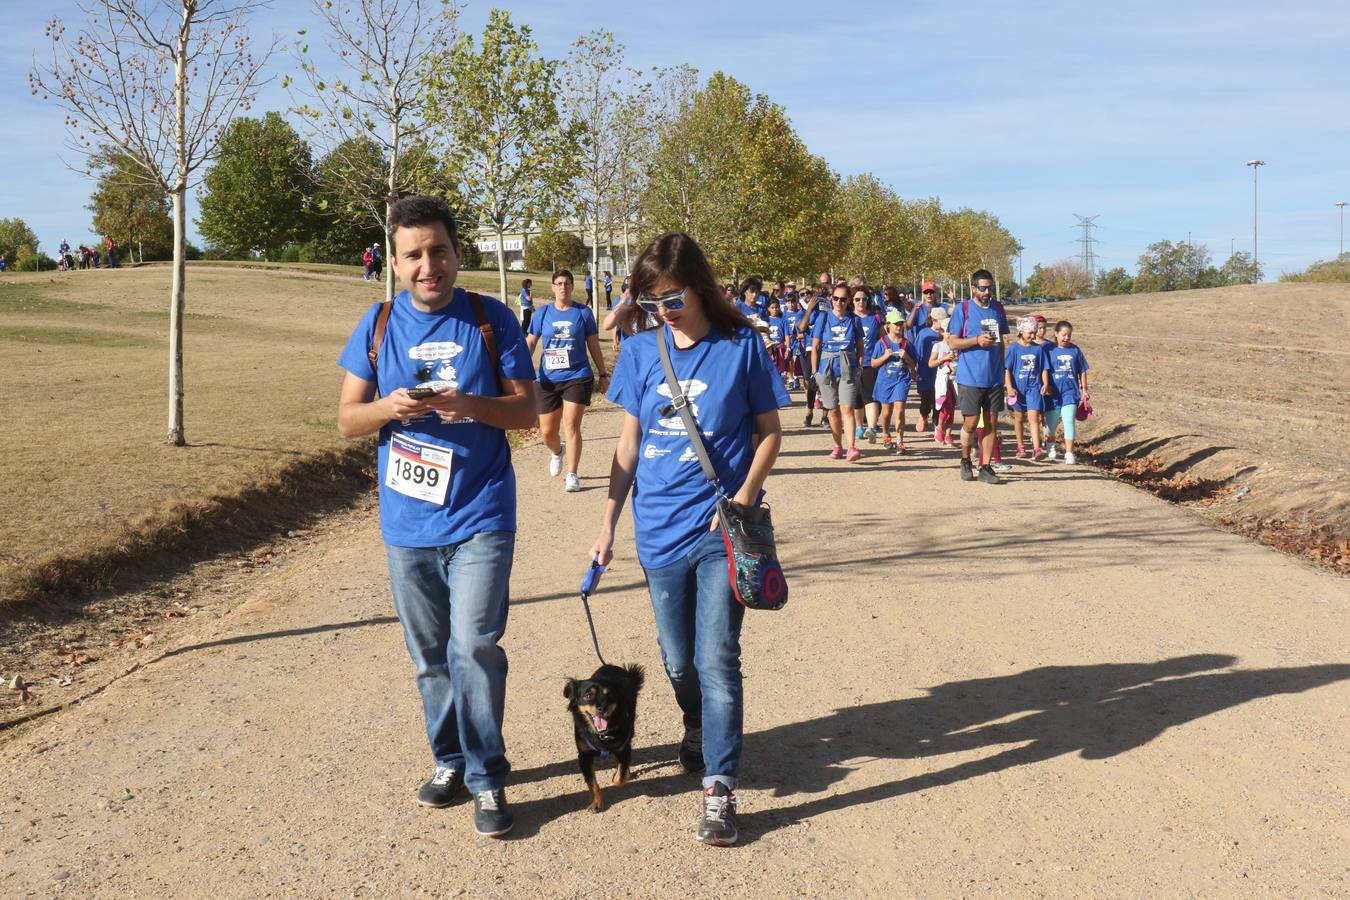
x=734, y=393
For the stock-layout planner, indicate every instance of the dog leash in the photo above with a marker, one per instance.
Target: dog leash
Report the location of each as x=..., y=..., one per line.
x=588, y=585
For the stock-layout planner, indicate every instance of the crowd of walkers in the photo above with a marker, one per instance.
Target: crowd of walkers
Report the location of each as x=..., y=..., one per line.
x=86, y=257
x=440, y=374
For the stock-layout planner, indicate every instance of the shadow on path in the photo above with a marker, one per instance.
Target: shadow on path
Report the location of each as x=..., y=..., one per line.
x=1095, y=711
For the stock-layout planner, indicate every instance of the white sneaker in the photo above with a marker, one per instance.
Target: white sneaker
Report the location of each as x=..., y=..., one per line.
x=573, y=483
x=1070, y=459
x=555, y=462
x=1052, y=453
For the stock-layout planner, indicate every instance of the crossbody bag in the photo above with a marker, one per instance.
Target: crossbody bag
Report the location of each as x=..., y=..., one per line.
x=756, y=576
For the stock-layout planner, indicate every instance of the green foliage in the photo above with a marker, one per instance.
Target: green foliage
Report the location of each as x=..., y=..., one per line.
x=1165, y=266
x=27, y=259
x=14, y=234
x=554, y=250
x=1114, y=282
x=257, y=195
x=1240, y=268
x=497, y=101
x=1335, y=271
x=129, y=206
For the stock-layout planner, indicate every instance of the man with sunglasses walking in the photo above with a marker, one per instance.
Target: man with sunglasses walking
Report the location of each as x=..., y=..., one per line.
x=976, y=333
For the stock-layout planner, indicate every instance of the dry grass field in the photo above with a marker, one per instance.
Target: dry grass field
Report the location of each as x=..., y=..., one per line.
x=1235, y=401
x=87, y=473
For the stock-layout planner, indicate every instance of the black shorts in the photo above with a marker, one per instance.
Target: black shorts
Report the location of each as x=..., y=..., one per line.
x=867, y=384
x=553, y=393
x=974, y=400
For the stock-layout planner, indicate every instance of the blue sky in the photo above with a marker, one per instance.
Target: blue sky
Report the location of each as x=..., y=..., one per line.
x=1142, y=113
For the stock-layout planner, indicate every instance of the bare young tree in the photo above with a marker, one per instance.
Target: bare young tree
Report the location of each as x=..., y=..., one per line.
x=387, y=50
x=160, y=79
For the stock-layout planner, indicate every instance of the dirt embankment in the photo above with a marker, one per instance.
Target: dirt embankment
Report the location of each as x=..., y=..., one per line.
x=1226, y=401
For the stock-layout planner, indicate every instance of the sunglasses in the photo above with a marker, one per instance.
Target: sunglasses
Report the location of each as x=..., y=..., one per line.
x=983, y=288
x=840, y=299
x=672, y=301
x=859, y=299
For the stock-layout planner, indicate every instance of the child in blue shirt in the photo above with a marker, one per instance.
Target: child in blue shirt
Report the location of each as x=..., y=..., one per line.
x=895, y=365
x=776, y=339
x=1026, y=382
x=1067, y=373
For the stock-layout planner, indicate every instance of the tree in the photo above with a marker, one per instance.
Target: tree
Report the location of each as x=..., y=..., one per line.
x=1114, y=282
x=1240, y=269
x=128, y=208
x=259, y=191
x=595, y=89
x=1334, y=271
x=553, y=250
x=882, y=233
x=1165, y=266
x=1064, y=280
x=388, y=51
x=161, y=79
x=506, y=142
x=14, y=234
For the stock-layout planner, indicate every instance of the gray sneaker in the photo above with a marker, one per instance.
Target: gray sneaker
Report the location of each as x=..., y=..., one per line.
x=491, y=818
x=988, y=477
x=718, y=827
x=441, y=789
x=967, y=472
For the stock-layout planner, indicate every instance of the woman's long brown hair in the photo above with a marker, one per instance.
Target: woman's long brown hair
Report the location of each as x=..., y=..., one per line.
x=675, y=256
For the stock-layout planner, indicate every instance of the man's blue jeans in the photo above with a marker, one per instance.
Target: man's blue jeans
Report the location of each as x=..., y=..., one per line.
x=698, y=625
x=452, y=601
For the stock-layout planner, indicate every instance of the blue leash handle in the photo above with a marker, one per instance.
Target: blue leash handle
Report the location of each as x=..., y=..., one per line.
x=588, y=585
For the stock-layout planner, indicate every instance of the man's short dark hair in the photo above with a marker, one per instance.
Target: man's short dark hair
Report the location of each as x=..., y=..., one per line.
x=754, y=282
x=418, y=210
x=562, y=273
x=981, y=273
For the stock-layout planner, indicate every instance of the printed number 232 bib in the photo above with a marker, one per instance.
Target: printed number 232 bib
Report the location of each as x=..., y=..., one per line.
x=417, y=469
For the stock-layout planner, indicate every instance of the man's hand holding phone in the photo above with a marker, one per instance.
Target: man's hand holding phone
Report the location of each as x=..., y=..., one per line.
x=402, y=405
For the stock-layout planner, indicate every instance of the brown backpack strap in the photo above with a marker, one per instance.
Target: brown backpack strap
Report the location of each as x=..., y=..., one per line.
x=373, y=354
x=489, y=339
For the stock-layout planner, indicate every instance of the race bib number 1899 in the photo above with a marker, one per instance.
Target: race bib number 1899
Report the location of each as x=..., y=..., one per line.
x=417, y=469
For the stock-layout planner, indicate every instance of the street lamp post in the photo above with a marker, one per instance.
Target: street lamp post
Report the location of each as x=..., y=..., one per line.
x=1342, y=205
x=1255, y=164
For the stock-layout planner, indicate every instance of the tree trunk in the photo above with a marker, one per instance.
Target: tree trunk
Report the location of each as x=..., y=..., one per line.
x=595, y=249
x=501, y=264
x=177, y=292
x=627, y=258
x=389, y=203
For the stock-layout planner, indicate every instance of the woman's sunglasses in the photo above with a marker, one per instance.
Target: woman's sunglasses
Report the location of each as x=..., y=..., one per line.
x=672, y=301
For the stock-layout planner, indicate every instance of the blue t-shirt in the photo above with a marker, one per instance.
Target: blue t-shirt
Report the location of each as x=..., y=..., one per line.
x=589, y=282
x=443, y=349
x=1026, y=365
x=836, y=333
x=526, y=301
x=777, y=329
x=979, y=366
x=791, y=319
x=893, y=379
x=870, y=324
x=925, y=339
x=1065, y=365
x=563, y=333
x=728, y=380
x=747, y=309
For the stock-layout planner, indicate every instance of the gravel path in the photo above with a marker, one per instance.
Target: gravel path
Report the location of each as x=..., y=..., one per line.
x=1061, y=686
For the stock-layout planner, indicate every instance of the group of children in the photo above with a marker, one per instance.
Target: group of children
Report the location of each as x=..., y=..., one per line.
x=904, y=350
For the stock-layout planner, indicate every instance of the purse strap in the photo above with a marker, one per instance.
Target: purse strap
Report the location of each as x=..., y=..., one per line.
x=681, y=403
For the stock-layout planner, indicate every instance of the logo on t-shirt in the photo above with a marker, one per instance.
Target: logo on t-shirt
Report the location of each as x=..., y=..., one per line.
x=438, y=355
x=562, y=334
x=839, y=332
x=691, y=388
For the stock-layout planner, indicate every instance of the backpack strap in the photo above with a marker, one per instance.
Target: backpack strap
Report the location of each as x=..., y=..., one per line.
x=489, y=339
x=373, y=354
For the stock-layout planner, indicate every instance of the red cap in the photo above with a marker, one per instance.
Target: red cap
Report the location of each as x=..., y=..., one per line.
x=928, y=286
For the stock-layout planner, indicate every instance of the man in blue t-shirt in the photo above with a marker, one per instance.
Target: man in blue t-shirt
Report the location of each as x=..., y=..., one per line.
x=422, y=373
x=976, y=333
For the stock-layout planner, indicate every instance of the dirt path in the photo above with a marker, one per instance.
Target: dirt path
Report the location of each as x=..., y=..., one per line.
x=1062, y=686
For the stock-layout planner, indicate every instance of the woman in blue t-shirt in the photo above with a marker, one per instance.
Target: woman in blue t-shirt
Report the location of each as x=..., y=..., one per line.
x=734, y=395
x=526, y=303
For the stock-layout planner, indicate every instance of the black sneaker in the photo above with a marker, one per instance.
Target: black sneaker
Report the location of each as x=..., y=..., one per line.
x=491, y=818
x=967, y=473
x=691, y=748
x=988, y=477
x=442, y=789
x=718, y=827
x=807, y=421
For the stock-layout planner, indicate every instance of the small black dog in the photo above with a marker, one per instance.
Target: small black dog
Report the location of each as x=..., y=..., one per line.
x=604, y=713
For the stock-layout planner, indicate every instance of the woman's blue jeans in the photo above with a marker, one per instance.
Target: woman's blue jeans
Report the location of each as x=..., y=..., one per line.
x=452, y=602
x=698, y=625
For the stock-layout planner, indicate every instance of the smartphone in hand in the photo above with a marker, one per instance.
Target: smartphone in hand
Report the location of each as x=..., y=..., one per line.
x=421, y=393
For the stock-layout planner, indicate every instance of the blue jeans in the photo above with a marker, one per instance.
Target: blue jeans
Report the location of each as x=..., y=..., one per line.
x=698, y=625
x=452, y=601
